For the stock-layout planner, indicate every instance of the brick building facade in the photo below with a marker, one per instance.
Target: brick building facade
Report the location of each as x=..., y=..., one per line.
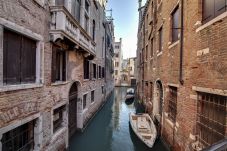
x=52, y=70
x=181, y=60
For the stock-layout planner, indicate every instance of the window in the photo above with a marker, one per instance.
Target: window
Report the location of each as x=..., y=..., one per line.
x=84, y=101
x=116, y=55
x=93, y=30
x=60, y=2
x=19, y=63
x=58, y=118
x=117, y=47
x=146, y=53
x=172, y=108
x=92, y=96
x=211, y=118
x=86, y=23
x=160, y=39
x=213, y=8
x=94, y=71
x=102, y=89
x=86, y=69
x=152, y=47
x=116, y=64
x=20, y=138
x=116, y=72
x=175, y=24
x=100, y=72
x=86, y=6
x=76, y=9
x=103, y=72
x=58, y=64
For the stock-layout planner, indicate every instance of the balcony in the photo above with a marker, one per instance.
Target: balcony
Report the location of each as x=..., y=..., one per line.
x=63, y=25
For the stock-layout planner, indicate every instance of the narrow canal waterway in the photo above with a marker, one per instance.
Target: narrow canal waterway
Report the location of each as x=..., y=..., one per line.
x=110, y=129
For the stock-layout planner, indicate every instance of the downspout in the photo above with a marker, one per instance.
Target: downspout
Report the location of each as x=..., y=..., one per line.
x=144, y=36
x=181, y=43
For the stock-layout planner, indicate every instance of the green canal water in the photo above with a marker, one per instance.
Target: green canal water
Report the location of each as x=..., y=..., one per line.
x=109, y=130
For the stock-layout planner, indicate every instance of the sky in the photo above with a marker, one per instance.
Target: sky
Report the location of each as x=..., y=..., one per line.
x=125, y=14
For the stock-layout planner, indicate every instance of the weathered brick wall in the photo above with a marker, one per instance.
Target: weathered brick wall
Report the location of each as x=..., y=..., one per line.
x=20, y=104
x=204, y=65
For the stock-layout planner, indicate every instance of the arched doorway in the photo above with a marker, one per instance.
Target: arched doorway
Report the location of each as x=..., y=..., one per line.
x=73, y=95
x=158, y=105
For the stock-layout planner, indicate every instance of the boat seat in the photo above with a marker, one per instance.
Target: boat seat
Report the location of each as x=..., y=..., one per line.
x=146, y=136
x=143, y=125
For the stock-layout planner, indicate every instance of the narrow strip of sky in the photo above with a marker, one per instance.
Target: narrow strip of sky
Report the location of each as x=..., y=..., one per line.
x=125, y=14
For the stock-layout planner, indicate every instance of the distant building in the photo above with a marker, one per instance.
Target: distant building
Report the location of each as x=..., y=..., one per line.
x=118, y=60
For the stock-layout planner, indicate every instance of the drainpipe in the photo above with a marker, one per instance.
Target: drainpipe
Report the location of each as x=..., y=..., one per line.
x=181, y=43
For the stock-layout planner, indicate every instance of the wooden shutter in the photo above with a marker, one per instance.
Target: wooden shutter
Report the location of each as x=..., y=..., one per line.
x=53, y=72
x=28, y=60
x=220, y=7
x=11, y=57
x=91, y=70
x=208, y=10
x=64, y=66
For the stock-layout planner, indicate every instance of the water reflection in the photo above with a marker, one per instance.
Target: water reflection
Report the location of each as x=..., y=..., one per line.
x=110, y=130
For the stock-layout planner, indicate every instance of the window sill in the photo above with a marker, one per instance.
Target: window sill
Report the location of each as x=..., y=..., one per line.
x=211, y=22
x=174, y=44
x=159, y=54
x=86, y=80
x=58, y=132
x=84, y=111
x=20, y=87
x=59, y=83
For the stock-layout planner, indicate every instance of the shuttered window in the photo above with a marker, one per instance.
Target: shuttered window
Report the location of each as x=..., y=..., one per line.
x=213, y=8
x=160, y=39
x=86, y=69
x=94, y=71
x=19, y=59
x=58, y=64
x=103, y=72
x=175, y=24
x=100, y=72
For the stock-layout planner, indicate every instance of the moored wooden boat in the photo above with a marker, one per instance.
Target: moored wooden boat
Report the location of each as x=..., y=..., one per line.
x=130, y=95
x=144, y=128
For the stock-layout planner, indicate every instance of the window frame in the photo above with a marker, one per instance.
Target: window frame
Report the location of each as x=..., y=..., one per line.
x=160, y=39
x=85, y=101
x=175, y=30
x=86, y=69
x=92, y=96
x=60, y=121
x=207, y=104
x=59, y=64
x=17, y=132
x=172, y=104
x=39, y=55
x=212, y=12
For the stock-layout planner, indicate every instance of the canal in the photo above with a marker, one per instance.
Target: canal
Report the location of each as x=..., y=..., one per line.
x=109, y=130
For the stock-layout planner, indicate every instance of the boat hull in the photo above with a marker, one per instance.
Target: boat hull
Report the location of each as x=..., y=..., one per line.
x=148, y=138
